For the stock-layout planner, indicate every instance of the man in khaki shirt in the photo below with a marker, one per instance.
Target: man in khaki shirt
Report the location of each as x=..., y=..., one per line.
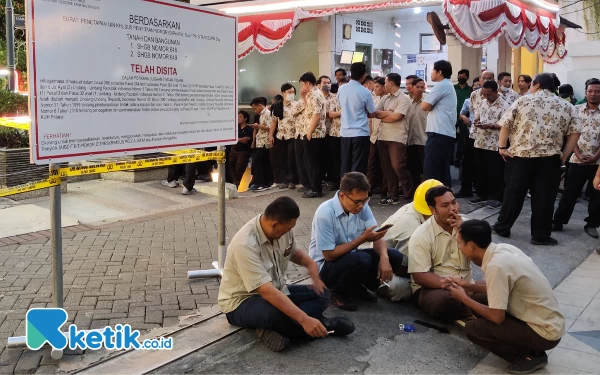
x=433, y=257
x=374, y=173
x=522, y=319
x=392, y=139
x=253, y=291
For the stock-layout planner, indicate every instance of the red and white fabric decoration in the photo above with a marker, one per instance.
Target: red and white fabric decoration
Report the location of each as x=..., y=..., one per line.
x=477, y=22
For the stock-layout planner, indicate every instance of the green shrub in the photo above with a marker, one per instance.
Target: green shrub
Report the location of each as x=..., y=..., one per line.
x=12, y=104
x=13, y=138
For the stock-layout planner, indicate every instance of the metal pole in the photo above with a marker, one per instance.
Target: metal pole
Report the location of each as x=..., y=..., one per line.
x=10, y=44
x=221, y=208
x=56, y=239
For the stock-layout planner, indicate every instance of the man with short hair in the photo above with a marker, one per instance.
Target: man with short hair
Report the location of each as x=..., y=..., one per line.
x=369, y=83
x=522, y=319
x=392, y=139
x=441, y=124
x=416, y=120
x=505, y=86
x=333, y=124
x=282, y=138
x=253, y=291
x=463, y=92
x=433, y=258
x=339, y=227
x=240, y=152
x=489, y=179
x=374, y=173
x=261, y=163
x=339, y=74
x=584, y=163
x=357, y=106
x=468, y=164
x=313, y=119
x=410, y=83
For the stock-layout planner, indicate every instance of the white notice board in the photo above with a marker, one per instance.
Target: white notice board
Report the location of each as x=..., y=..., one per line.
x=124, y=77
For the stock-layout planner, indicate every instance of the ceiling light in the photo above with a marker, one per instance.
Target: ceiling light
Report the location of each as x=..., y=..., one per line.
x=288, y=5
x=417, y=10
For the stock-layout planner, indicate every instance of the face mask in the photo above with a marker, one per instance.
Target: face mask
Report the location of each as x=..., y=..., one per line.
x=462, y=81
x=290, y=97
x=504, y=89
x=326, y=87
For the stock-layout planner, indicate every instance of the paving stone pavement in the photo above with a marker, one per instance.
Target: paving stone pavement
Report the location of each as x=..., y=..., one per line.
x=130, y=272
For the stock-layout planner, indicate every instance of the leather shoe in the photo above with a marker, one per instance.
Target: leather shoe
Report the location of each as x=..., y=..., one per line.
x=339, y=325
x=549, y=241
x=501, y=233
x=591, y=231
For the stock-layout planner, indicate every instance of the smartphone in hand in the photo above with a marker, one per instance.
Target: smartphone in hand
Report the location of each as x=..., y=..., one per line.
x=385, y=227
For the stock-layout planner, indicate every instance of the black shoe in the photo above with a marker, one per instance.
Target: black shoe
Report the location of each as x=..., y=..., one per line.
x=549, y=241
x=478, y=200
x=557, y=227
x=275, y=341
x=312, y=194
x=364, y=294
x=505, y=234
x=528, y=364
x=339, y=325
x=463, y=194
x=389, y=201
x=343, y=302
x=494, y=204
x=591, y=231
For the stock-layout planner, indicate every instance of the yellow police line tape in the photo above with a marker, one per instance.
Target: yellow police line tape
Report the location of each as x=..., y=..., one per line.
x=117, y=166
x=14, y=124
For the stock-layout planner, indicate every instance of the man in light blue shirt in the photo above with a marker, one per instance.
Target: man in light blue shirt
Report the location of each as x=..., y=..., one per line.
x=441, y=104
x=357, y=107
x=339, y=227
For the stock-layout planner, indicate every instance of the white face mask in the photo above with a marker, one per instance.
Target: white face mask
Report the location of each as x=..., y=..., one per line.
x=290, y=97
x=504, y=89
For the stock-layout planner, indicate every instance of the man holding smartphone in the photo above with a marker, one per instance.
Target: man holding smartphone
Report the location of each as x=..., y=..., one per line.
x=339, y=227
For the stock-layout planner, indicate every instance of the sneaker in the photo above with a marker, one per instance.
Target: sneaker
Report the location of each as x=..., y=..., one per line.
x=528, y=364
x=269, y=187
x=591, y=231
x=556, y=227
x=261, y=188
x=462, y=194
x=252, y=188
x=274, y=341
x=549, y=241
x=477, y=200
x=494, y=204
x=282, y=186
x=364, y=294
x=171, y=184
x=389, y=201
x=343, y=302
x=339, y=325
x=312, y=194
x=291, y=186
x=189, y=192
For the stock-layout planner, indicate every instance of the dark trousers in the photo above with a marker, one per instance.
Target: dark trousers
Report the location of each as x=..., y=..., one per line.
x=541, y=176
x=438, y=157
x=394, y=163
x=303, y=175
x=349, y=271
x=256, y=312
x=237, y=163
x=416, y=160
x=315, y=152
x=510, y=340
x=462, y=136
x=176, y=171
x=468, y=166
x=577, y=176
x=190, y=174
x=489, y=174
x=283, y=161
x=261, y=168
x=374, y=172
x=355, y=155
x=334, y=160
x=439, y=304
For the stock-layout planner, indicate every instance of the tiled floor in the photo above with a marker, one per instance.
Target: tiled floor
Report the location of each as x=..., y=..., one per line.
x=579, y=299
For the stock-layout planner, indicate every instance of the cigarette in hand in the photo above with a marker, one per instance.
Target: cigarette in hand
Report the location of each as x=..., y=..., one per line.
x=330, y=332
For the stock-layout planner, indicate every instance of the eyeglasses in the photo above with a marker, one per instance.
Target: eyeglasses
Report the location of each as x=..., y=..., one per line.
x=359, y=203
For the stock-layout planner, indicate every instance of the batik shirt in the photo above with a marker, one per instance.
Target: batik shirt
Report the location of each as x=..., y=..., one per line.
x=588, y=143
x=333, y=125
x=262, y=136
x=490, y=113
x=286, y=127
x=315, y=104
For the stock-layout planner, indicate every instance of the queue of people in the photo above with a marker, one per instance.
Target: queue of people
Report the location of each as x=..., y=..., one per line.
x=351, y=260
